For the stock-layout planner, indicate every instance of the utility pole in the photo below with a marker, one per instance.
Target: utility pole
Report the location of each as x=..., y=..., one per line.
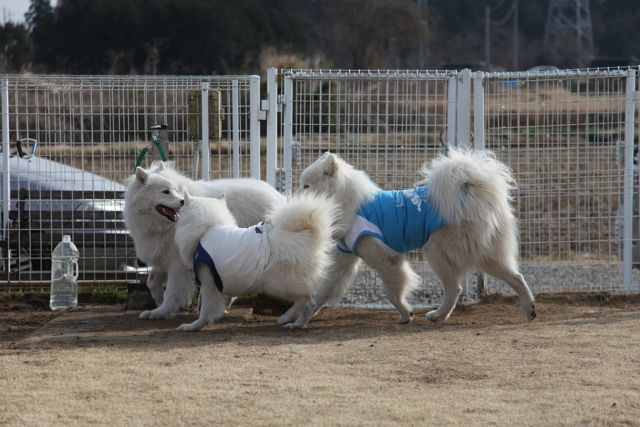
x=512, y=14
x=424, y=16
x=566, y=20
x=487, y=35
x=515, y=34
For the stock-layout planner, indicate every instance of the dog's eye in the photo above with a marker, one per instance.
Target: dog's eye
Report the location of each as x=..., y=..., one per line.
x=166, y=191
x=305, y=186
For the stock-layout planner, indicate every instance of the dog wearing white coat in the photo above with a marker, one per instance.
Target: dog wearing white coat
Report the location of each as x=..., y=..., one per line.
x=285, y=256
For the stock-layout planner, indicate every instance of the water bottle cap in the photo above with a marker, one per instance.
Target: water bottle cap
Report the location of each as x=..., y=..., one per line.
x=66, y=238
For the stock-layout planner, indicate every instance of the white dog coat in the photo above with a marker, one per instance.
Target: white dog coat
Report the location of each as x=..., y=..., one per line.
x=235, y=256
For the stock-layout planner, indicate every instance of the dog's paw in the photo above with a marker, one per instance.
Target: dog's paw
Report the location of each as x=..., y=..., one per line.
x=155, y=315
x=434, y=316
x=284, y=319
x=144, y=315
x=406, y=319
x=531, y=312
x=189, y=327
x=161, y=315
x=293, y=325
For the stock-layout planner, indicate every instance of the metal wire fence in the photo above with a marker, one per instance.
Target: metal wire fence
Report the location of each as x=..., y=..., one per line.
x=567, y=135
x=74, y=140
x=562, y=133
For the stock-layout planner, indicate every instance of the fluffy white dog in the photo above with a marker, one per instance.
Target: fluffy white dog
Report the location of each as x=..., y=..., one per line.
x=460, y=214
x=284, y=256
x=151, y=211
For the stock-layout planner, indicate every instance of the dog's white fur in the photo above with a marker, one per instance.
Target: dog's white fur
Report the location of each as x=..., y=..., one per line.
x=472, y=192
x=299, y=244
x=170, y=282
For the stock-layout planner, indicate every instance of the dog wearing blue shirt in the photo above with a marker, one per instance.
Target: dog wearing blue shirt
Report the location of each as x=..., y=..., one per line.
x=460, y=214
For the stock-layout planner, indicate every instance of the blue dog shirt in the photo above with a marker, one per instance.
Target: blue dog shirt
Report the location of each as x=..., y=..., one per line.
x=401, y=219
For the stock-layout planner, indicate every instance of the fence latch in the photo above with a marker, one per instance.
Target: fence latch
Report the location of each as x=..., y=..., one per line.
x=295, y=153
x=280, y=179
x=264, y=107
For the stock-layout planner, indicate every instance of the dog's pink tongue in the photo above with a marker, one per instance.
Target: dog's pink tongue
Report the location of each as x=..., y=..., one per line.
x=171, y=214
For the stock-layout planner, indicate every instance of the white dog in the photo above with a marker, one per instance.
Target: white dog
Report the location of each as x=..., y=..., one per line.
x=284, y=256
x=150, y=214
x=460, y=214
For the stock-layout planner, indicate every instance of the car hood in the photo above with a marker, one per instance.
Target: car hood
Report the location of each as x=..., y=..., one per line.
x=38, y=173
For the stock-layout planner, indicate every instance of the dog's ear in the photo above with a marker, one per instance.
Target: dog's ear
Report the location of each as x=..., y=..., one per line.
x=330, y=164
x=141, y=175
x=161, y=166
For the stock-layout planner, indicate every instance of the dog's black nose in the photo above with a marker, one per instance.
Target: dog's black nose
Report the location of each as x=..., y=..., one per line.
x=182, y=202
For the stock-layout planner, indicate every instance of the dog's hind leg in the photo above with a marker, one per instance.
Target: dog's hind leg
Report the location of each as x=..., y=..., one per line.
x=212, y=302
x=293, y=312
x=395, y=272
x=452, y=290
x=449, y=274
x=512, y=277
x=339, y=276
x=305, y=312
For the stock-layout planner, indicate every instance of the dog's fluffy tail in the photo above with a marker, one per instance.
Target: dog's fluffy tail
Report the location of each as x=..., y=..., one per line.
x=475, y=187
x=301, y=235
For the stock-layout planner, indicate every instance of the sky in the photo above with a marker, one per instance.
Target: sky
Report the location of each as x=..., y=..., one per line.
x=14, y=10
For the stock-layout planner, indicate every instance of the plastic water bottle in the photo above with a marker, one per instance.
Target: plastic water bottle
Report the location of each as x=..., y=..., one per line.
x=64, y=275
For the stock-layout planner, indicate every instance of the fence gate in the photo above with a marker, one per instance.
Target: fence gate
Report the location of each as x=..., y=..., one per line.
x=569, y=138
x=70, y=142
x=387, y=123
x=567, y=135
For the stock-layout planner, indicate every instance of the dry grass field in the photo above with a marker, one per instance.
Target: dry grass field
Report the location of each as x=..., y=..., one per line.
x=576, y=364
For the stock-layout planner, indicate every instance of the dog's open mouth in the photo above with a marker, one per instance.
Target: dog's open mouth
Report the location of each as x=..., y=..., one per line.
x=170, y=213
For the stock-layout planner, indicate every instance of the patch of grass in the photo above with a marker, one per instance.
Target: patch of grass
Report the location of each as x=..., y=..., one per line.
x=85, y=296
x=102, y=296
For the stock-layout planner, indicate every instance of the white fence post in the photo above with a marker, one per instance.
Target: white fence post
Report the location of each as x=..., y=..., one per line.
x=6, y=178
x=478, y=110
x=272, y=126
x=463, y=117
x=478, y=144
x=629, y=124
x=254, y=125
x=235, y=128
x=287, y=114
x=452, y=110
x=206, y=158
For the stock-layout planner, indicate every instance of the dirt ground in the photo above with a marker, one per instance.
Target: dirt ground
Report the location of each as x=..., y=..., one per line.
x=578, y=363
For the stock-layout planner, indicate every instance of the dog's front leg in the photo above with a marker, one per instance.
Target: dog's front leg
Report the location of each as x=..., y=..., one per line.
x=213, y=303
x=176, y=295
x=156, y=282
